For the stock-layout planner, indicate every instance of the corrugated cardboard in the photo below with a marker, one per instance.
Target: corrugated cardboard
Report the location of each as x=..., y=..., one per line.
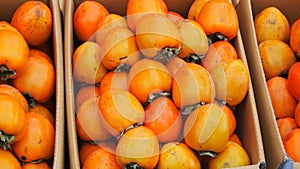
x=248, y=127
x=274, y=150
x=6, y=12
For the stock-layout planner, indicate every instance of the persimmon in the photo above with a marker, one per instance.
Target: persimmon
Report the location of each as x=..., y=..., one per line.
x=114, y=80
x=220, y=51
x=195, y=9
x=193, y=38
x=292, y=145
x=235, y=138
x=148, y=77
x=283, y=102
x=136, y=9
x=14, y=52
x=294, y=79
x=15, y=93
x=177, y=155
x=38, y=141
x=40, y=165
x=294, y=33
x=285, y=126
x=119, y=47
x=231, y=81
x=207, y=128
x=164, y=119
x=174, y=17
x=44, y=111
x=155, y=32
x=106, y=24
x=219, y=16
x=39, y=52
x=120, y=109
x=86, y=18
x=87, y=66
x=85, y=93
x=139, y=146
x=276, y=57
x=38, y=79
x=88, y=121
x=8, y=160
x=231, y=119
x=101, y=158
x=192, y=84
x=175, y=64
x=34, y=20
x=297, y=114
x=271, y=24
x=233, y=155
x=7, y=25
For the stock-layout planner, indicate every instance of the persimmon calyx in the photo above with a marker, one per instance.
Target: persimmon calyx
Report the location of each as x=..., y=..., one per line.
x=154, y=96
x=207, y=153
x=6, y=73
x=30, y=100
x=216, y=37
x=167, y=53
x=6, y=140
x=193, y=58
x=188, y=109
x=133, y=165
x=123, y=67
x=129, y=128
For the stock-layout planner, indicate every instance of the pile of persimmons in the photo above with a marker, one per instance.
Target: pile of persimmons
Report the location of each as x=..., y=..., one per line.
x=279, y=47
x=27, y=84
x=155, y=89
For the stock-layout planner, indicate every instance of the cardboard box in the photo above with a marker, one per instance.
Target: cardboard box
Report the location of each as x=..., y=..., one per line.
x=57, y=102
x=276, y=156
x=248, y=127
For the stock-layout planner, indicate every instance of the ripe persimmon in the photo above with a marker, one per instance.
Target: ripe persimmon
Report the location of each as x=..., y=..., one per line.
x=292, y=146
x=195, y=9
x=40, y=165
x=294, y=33
x=294, y=80
x=8, y=160
x=283, y=102
x=285, y=126
x=297, y=114
x=44, y=111
x=86, y=92
x=235, y=138
x=231, y=118
x=114, y=80
x=12, y=91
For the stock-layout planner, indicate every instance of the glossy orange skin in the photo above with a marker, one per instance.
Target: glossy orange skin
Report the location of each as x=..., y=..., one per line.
x=283, y=102
x=286, y=125
x=41, y=165
x=175, y=64
x=119, y=47
x=219, y=16
x=136, y=9
x=15, y=93
x=292, y=145
x=38, y=141
x=297, y=114
x=40, y=53
x=174, y=17
x=154, y=32
x=34, y=20
x=193, y=38
x=86, y=18
x=294, y=33
x=101, y=158
x=164, y=119
x=207, y=128
x=119, y=109
x=44, y=111
x=148, y=76
x=192, y=84
x=271, y=24
x=220, y=51
x=276, y=57
x=231, y=119
x=231, y=81
x=8, y=160
x=195, y=9
x=138, y=145
x=107, y=24
x=114, y=80
x=294, y=79
x=12, y=115
x=85, y=93
x=87, y=66
x=88, y=123
x=235, y=138
x=14, y=50
x=38, y=79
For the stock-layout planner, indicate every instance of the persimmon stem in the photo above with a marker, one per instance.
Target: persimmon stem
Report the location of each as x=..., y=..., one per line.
x=6, y=73
x=207, y=153
x=188, y=109
x=154, y=96
x=133, y=165
x=193, y=58
x=167, y=53
x=216, y=37
x=129, y=128
x=6, y=140
x=30, y=100
x=123, y=67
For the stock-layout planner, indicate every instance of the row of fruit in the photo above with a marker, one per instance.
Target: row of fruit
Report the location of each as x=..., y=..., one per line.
x=156, y=89
x=27, y=125
x=279, y=47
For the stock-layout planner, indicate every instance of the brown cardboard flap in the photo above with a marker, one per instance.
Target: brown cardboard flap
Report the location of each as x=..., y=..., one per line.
x=273, y=146
x=6, y=12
